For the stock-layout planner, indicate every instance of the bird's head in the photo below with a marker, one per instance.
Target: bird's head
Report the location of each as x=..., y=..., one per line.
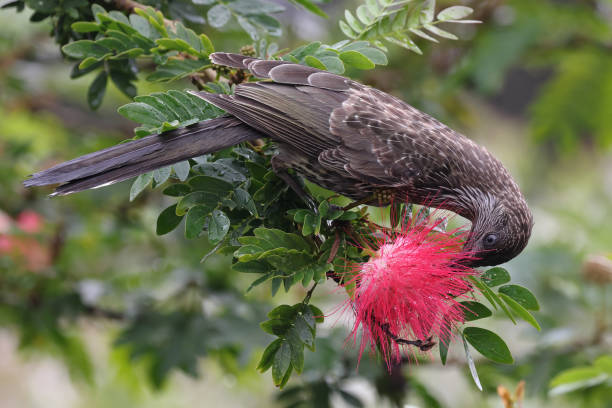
x=500, y=231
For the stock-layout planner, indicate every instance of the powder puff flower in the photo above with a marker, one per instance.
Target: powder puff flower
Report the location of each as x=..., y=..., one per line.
x=409, y=289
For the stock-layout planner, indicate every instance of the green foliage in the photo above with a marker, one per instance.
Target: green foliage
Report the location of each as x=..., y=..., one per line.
x=295, y=327
x=597, y=375
x=279, y=256
x=234, y=199
x=475, y=311
x=397, y=22
x=153, y=335
x=178, y=51
x=63, y=13
x=488, y=344
x=574, y=107
x=253, y=16
x=163, y=111
x=495, y=277
x=335, y=58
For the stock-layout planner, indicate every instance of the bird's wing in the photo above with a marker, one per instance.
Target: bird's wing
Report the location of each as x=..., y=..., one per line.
x=389, y=142
x=293, y=114
x=348, y=127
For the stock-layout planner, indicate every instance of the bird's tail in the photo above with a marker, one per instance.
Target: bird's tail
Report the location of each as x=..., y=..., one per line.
x=136, y=157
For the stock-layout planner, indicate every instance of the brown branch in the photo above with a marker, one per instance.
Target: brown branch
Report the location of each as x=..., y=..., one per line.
x=95, y=311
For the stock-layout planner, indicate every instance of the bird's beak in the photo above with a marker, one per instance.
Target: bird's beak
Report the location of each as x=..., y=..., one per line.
x=469, y=248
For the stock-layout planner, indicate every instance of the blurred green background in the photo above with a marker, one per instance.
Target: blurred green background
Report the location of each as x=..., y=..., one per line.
x=533, y=84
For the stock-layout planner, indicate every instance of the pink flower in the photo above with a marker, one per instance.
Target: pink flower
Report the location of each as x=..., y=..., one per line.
x=408, y=290
x=29, y=221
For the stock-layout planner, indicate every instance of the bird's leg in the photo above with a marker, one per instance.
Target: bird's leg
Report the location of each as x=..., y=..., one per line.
x=357, y=203
x=381, y=196
x=280, y=169
x=423, y=345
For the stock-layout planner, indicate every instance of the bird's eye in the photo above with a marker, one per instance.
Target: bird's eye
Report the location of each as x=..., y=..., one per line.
x=490, y=240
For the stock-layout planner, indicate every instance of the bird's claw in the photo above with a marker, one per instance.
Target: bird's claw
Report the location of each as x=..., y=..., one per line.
x=423, y=345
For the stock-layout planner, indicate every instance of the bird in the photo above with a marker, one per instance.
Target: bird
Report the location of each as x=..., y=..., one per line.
x=342, y=135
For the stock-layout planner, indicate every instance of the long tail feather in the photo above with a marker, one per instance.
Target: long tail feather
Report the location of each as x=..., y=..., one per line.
x=136, y=157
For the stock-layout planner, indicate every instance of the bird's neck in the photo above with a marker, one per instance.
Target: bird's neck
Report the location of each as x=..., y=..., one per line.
x=469, y=202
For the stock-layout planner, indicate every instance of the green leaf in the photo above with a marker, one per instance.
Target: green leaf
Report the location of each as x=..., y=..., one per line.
x=207, y=45
x=439, y=32
x=404, y=41
x=495, y=277
x=141, y=25
x=174, y=69
x=308, y=226
x=363, y=14
x=488, y=344
x=142, y=113
x=161, y=175
x=140, y=184
x=310, y=6
x=244, y=200
x=375, y=55
x=85, y=48
x=286, y=377
x=492, y=297
x=268, y=355
x=443, y=349
x=177, y=190
x=333, y=64
x=308, y=316
x=521, y=295
x=317, y=314
x=218, y=226
x=196, y=198
x=283, y=312
x=181, y=169
x=297, y=350
x=123, y=82
x=347, y=30
x=427, y=11
x=266, y=22
x=168, y=220
x=218, y=15
x=249, y=28
x=604, y=363
x=474, y=311
x=423, y=35
x=304, y=331
x=85, y=27
x=577, y=378
x=189, y=36
x=454, y=13
x=299, y=215
x=281, y=362
x=96, y=91
x=275, y=238
x=352, y=21
x=314, y=62
x=520, y=310
x=277, y=327
x=252, y=267
x=261, y=280
x=195, y=220
x=211, y=185
x=486, y=292
x=356, y=59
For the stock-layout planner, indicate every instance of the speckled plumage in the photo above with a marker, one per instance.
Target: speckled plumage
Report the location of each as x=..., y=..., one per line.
x=357, y=141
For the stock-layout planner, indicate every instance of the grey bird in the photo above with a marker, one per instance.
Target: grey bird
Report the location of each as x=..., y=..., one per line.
x=342, y=135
